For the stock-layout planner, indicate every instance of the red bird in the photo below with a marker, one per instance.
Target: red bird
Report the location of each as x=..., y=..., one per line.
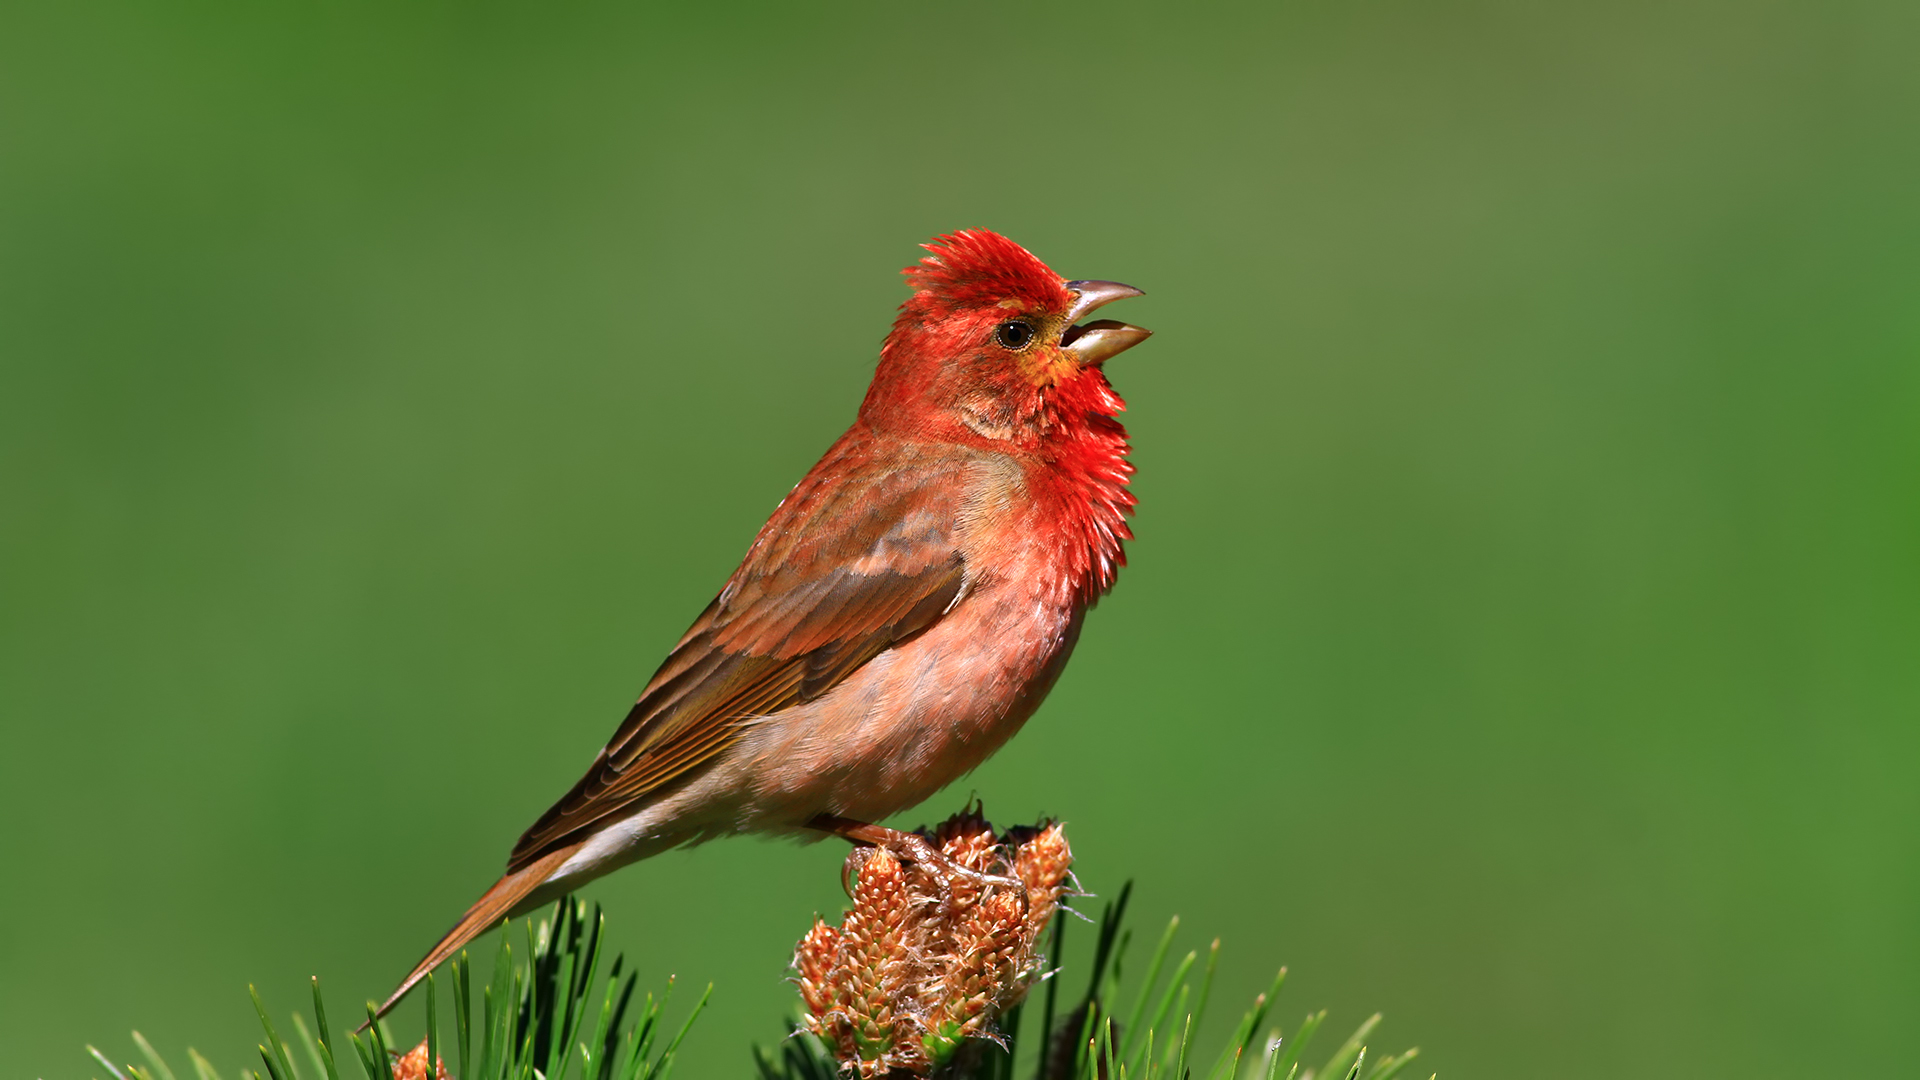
x=902, y=613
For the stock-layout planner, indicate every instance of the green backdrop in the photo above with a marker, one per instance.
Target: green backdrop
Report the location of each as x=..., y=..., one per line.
x=1523, y=634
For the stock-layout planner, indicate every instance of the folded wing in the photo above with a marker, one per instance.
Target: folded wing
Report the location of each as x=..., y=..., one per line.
x=844, y=571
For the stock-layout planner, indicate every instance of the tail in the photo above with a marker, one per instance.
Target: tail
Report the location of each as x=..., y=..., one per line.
x=514, y=894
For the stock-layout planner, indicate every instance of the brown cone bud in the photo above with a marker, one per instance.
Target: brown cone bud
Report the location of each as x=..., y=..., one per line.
x=929, y=956
x=412, y=1065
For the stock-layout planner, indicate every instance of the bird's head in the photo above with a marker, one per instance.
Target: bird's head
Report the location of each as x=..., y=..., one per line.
x=989, y=347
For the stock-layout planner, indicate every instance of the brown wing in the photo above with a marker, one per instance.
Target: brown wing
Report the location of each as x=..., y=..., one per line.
x=845, y=570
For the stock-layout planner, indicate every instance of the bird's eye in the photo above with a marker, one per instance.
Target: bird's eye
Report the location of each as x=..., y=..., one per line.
x=1013, y=334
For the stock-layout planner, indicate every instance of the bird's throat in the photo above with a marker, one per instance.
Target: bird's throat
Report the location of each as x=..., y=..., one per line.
x=1085, y=450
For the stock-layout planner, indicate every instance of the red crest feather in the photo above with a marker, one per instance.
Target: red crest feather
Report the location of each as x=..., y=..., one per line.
x=980, y=267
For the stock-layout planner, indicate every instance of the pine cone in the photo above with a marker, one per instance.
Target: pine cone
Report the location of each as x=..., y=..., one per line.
x=929, y=957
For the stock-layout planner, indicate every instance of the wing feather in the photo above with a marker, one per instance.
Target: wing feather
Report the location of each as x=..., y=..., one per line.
x=832, y=582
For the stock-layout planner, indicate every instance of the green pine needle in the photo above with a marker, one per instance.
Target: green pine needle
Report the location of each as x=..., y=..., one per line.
x=1390, y=1066
x=1343, y=1059
x=324, y=1041
x=1290, y=1050
x=201, y=1065
x=276, y=1057
x=159, y=1067
x=1131, y=1032
x=105, y=1064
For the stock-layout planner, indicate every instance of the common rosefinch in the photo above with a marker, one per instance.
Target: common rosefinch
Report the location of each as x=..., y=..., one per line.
x=903, y=611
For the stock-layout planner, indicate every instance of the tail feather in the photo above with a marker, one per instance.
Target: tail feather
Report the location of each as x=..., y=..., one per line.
x=512, y=895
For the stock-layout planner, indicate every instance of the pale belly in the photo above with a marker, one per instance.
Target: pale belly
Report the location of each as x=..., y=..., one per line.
x=913, y=720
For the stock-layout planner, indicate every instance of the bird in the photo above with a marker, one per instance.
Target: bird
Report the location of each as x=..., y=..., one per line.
x=902, y=613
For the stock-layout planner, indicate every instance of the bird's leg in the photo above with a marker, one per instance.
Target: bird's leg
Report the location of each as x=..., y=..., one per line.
x=905, y=846
x=913, y=848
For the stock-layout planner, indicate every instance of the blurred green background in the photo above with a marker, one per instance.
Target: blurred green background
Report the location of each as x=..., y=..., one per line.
x=1523, y=634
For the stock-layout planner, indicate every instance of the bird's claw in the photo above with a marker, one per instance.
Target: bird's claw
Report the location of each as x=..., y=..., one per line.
x=911, y=848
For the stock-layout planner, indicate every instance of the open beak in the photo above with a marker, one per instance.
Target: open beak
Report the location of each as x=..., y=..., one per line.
x=1102, y=339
